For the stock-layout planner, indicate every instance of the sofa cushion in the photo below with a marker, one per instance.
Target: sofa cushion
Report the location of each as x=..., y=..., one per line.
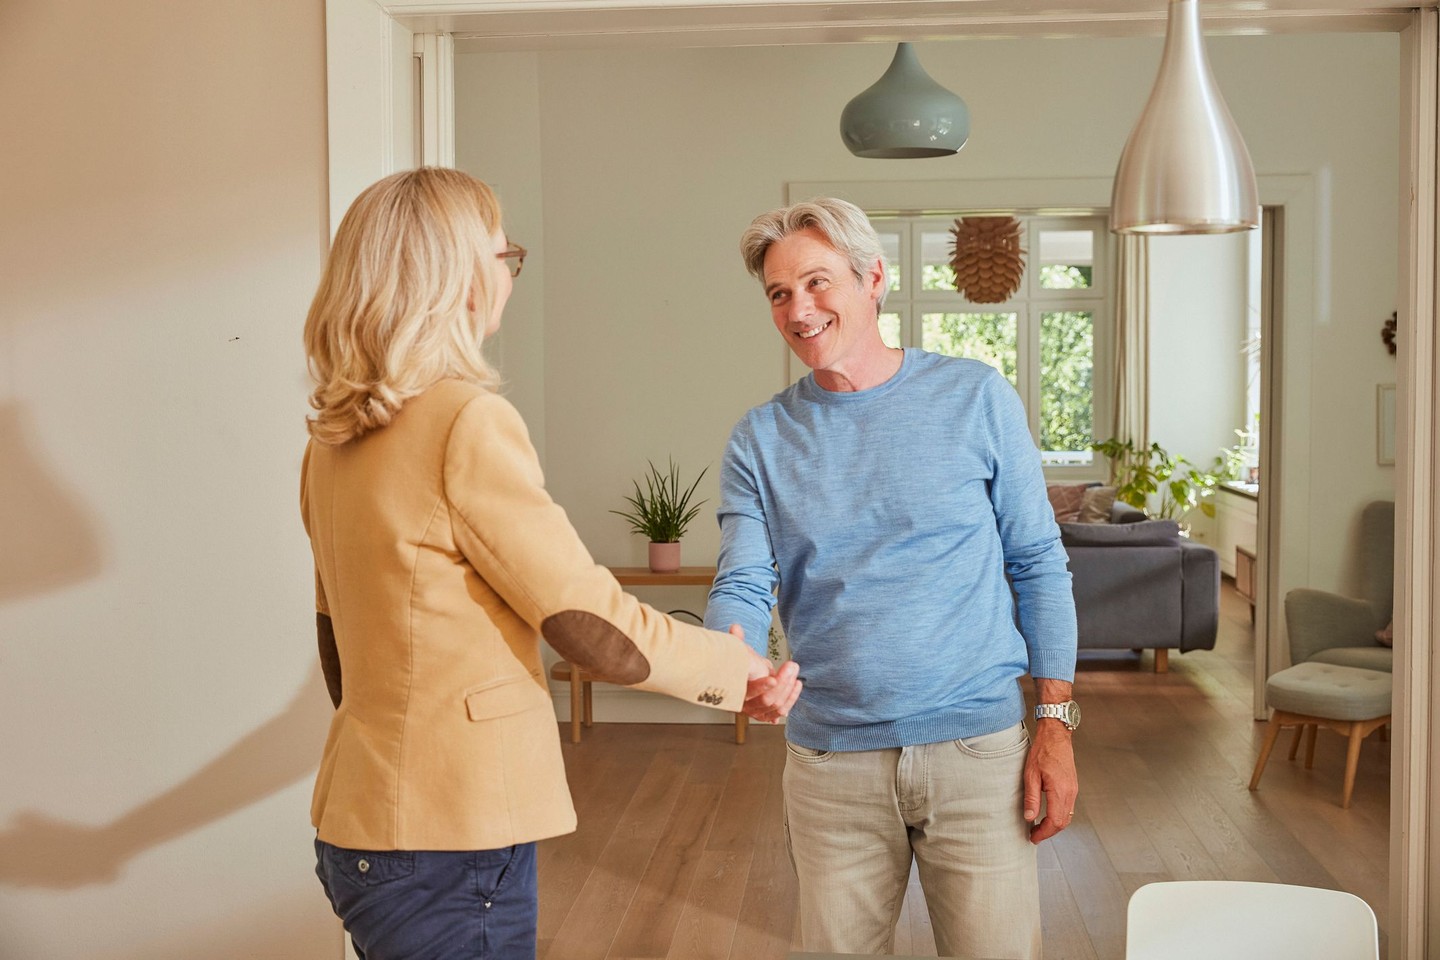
x=1066, y=500
x=1096, y=504
x=1145, y=533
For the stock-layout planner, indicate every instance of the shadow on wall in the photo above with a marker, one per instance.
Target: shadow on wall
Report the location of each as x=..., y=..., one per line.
x=50, y=538
x=282, y=929
x=40, y=851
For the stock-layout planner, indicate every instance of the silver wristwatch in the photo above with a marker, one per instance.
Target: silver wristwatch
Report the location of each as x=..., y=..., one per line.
x=1067, y=713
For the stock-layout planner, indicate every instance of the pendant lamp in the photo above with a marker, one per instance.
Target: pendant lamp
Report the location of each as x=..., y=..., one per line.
x=1185, y=168
x=905, y=115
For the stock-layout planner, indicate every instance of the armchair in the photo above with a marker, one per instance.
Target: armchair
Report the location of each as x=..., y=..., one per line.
x=1328, y=628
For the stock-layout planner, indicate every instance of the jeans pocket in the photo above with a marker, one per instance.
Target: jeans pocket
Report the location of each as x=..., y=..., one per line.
x=493, y=869
x=807, y=754
x=993, y=746
x=366, y=868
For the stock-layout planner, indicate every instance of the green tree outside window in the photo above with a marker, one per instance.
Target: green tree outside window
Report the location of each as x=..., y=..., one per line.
x=988, y=337
x=1067, y=380
x=1060, y=276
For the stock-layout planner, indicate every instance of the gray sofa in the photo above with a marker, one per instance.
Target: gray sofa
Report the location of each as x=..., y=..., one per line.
x=1140, y=585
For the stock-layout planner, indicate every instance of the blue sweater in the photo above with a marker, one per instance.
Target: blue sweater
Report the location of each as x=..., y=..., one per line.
x=888, y=520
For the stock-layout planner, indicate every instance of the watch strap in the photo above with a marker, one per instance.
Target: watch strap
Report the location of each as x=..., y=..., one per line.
x=1065, y=712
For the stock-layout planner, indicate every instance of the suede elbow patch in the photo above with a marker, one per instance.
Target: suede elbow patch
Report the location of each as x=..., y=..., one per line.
x=596, y=646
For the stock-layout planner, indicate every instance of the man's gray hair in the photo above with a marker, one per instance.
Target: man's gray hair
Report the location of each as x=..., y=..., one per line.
x=844, y=226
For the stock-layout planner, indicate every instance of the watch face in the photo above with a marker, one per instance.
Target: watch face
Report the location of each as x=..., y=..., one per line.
x=1067, y=713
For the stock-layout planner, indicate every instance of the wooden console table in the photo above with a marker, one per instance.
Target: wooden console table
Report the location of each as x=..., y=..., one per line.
x=634, y=577
x=645, y=577
x=1245, y=576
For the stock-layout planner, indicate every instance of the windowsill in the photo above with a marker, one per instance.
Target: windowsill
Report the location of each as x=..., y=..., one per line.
x=1074, y=475
x=1250, y=491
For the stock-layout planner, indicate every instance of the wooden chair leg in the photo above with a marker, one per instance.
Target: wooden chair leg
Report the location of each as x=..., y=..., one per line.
x=1271, y=733
x=742, y=723
x=1310, y=729
x=575, y=693
x=1162, y=660
x=589, y=704
x=1352, y=761
x=1295, y=741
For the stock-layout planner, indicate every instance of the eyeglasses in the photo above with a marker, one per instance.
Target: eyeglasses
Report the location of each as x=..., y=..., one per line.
x=514, y=255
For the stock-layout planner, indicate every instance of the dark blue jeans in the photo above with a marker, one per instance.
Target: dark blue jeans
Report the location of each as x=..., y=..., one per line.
x=433, y=904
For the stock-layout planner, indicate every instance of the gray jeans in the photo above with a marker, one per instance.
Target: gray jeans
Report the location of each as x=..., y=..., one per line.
x=853, y=821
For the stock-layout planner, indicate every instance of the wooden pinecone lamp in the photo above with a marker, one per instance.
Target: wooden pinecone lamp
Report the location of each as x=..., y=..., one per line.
x=988, y=259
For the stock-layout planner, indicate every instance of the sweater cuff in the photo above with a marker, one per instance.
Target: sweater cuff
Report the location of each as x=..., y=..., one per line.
x=757, y=631
x=1053, y=665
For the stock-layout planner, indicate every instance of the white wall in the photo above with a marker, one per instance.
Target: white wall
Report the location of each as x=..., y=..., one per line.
x=1198, y=291
x=164, y=218
x=1328, y=108
x=500, y=142
x=651, y=164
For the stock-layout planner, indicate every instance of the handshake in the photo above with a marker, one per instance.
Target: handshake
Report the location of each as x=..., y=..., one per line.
x=771, y=691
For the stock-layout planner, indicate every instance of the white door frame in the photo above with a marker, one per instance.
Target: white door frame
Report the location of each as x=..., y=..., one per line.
x=390, y=94
x=1414, y=913
x=390, y=105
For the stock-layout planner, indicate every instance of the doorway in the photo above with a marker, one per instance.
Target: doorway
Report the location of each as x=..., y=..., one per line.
x=1416, y=388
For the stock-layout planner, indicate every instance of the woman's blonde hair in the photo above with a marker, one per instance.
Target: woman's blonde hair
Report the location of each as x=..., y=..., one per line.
x=392, y=315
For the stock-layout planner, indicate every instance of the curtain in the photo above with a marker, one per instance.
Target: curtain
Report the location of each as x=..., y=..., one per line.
x=1130, y=405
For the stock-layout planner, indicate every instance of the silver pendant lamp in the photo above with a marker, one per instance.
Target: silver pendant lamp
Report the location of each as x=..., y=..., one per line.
x=905, y=115
x=1185, y=168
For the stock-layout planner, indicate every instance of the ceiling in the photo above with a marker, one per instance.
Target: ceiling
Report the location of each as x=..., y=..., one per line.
x=509, y=25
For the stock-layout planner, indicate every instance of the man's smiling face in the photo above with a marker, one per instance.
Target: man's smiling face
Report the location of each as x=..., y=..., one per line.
x=826, y=314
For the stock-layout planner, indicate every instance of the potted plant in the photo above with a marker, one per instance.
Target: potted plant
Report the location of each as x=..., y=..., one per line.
x=661, y=512
x=1138, y=474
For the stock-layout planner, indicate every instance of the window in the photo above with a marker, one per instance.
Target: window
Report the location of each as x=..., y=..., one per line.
x=1049, y=338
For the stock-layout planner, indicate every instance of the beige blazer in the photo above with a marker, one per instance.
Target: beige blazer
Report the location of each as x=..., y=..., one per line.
x=441, y=561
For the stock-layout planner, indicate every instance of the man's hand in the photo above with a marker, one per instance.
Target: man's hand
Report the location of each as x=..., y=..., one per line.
x=1050, y=768
x=770, y=692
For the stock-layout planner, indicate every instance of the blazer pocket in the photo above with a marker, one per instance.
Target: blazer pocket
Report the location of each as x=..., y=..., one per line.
x=506, y=696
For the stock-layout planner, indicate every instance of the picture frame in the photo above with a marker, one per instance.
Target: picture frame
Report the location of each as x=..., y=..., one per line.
x=1385, y=424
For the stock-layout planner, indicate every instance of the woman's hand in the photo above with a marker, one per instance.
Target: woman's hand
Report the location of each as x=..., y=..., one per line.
x=771, y=691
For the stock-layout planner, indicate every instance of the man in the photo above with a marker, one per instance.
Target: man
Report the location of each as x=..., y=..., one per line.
x=895, y=501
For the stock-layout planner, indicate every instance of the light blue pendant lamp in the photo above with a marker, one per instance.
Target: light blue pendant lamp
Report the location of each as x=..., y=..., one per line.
x=905, y=115
x=1185, y=168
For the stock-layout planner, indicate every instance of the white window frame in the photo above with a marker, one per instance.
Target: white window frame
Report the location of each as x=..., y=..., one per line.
x=911, y=302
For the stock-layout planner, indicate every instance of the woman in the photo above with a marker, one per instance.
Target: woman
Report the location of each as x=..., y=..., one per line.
x=440, y=562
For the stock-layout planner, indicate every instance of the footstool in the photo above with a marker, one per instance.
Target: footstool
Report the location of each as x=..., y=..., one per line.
x=1349, y=700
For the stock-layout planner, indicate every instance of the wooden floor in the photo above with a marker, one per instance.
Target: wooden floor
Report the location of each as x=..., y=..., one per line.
x=680, y=851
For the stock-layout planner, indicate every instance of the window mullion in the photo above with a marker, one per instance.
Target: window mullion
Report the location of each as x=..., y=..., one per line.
x=915, y=271
x=1029, y=338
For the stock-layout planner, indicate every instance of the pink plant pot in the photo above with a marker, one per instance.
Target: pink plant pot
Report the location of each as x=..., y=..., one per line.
x=664, y=557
